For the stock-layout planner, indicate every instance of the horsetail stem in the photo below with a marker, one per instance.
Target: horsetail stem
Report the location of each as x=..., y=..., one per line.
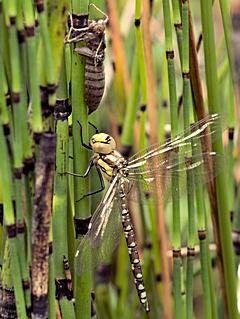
x=142, y=73
x=121, y=80
x=41, y=224
x=33, y=76
x=131, y=110
x=177, y=21
x=223, y=212
x=190, y=175
x=64, y=292
x=175, y=184
x=203, y=241
x=11, y=228
x=80, y=155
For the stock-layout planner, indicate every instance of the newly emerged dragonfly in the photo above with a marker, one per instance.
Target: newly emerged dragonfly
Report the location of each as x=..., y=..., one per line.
x=144, y=166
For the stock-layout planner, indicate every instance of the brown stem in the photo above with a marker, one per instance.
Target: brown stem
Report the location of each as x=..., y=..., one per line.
x=41, y=224
x=152, y=113
x=121, y=69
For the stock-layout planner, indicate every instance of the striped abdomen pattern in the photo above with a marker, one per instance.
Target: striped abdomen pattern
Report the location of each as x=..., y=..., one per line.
x=132, y=250
x=94, y=83
x=94, y=73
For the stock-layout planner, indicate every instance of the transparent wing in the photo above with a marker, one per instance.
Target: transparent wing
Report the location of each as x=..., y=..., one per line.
x=205, y=127
x=155, y=166
x=177, y=155
x=167, y=166
x=104, y=233
x=158, y=177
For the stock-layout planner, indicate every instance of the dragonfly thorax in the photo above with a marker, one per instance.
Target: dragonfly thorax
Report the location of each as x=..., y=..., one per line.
x=102, y=143
x=109, y=163
x=97, y=27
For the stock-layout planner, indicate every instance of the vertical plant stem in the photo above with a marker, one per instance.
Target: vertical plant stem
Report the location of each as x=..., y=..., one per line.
x=80, y=155
x=47, y=53
x=15, y=87
x=123, y=269
x=57, y=17
x=223, y=209
x=3, y=105
x=41, y=224
x=190, y=181
x=145, y=71
x=226, y=19
x=60, y=230
x=33, y=76
x=191, y=242
x=9, y=221
x=28, y=161
x=209, y=305
x=151, y=101
x=166, y=282
x=27, y=143
x=79, y=113
x=197, y=94
x=177, y=312
x=230, y=173
x=121, y=70
x=8, y=301
x=142, y=73
x=236, y=228
x=131, y=110
x=21, y=242
x=18, y=120
x=178, y=25
x=51, y=285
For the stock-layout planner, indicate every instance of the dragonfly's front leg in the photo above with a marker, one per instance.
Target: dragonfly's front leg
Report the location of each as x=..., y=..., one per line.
x=87, y=146
x=102, y=185
x=90, y=165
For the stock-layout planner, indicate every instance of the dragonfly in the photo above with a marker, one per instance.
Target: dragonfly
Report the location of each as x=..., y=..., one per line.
x=145, y=166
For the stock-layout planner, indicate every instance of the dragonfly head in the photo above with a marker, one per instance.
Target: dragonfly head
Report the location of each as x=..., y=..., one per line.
x=102, y=143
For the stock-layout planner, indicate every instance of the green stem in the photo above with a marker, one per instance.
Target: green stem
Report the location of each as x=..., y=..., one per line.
x=80, y=161
x=206, y=275
x=142, y=73
x=176, y=242
x=222, y=200
x=33, y=76
x=131, y=109
x=178, y=26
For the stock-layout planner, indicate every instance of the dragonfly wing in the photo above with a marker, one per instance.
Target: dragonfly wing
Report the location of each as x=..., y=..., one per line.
x=85, y=51
x=103, y=234
x=158, y=172
x=166, y=167
x=158, y=160
x=208, y=126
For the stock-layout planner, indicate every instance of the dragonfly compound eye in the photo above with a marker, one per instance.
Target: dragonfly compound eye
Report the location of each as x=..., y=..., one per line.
x=102, y=143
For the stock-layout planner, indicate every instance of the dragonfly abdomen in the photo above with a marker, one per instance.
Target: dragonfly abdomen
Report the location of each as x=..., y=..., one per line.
x=94, y=83
x=132, y=251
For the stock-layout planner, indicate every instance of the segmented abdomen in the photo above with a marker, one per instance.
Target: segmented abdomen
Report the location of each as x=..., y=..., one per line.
x=94, y=84
x=132, y=251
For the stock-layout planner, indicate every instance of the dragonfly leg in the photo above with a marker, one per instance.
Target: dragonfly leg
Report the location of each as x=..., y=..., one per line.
x=81, y=137
x=101, y=183
x=96, y=129
x=90, y=165
x=132, y=251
